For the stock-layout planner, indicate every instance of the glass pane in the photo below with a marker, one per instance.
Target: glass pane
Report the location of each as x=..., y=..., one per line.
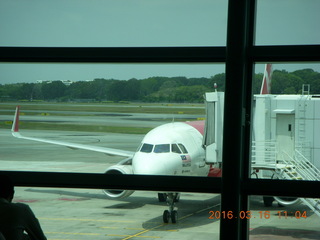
x=147, y=148
x=287, y=22
x=288, y=220
x=162, y=148
x=184, y=150
x=87, y=214
x=107, y=116
x=286, y=122
x=113, y=23
x=175, y=148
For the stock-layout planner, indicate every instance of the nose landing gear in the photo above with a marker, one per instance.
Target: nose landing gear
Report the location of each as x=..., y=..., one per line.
x=171, y=213
x=167, y=215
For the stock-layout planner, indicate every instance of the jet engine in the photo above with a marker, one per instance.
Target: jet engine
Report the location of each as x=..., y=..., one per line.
x=282, y=201
x=286, y=201
x=124, y=167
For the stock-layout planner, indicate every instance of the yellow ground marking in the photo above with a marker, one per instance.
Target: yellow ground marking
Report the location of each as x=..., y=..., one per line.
x=164, y=224
x=172, y=230
x=71, y=233
x=84, y=220
x=119, y=235
x=59, y=239
x=202, y=210
x=142, y=232
x=137, y=229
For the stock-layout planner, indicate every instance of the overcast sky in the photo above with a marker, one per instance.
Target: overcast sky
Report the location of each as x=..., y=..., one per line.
x=127, y=23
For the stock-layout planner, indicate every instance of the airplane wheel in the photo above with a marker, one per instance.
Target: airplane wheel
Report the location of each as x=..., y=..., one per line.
x=166, y=216
x=174, y=216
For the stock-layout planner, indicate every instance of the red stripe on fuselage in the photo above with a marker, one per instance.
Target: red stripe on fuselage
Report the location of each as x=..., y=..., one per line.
x=199, y=125
x=215, y=172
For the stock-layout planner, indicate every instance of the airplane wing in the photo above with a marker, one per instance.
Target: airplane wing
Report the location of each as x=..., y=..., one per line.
x=110, y=151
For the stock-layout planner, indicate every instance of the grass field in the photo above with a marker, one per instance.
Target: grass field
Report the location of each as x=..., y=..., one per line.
x=111, y=107
x=58, y=109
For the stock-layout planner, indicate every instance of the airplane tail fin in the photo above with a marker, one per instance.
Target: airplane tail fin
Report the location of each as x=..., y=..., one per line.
x=266, y=82
x=15, y=125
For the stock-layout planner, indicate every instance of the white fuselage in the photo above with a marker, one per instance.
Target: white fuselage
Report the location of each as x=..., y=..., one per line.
x=171, y=149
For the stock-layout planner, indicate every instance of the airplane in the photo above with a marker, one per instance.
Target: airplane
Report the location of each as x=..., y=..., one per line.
x=170, y=149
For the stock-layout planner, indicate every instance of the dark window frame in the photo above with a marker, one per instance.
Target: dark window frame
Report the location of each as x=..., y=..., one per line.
x=240, y=55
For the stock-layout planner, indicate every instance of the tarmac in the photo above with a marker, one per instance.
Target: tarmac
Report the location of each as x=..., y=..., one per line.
x=88, y=214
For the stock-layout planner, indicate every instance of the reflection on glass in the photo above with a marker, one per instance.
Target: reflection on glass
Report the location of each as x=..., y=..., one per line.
x=286, y=124
x=284, y=218
x=287, y=23
x=87, y=214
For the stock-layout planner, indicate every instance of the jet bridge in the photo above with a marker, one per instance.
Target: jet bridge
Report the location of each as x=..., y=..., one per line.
x=213, y=131
x=286, y=140
x=290, y=168
x=285, y=134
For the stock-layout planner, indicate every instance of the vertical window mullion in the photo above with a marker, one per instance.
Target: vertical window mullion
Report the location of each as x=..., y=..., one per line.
x=239, y=67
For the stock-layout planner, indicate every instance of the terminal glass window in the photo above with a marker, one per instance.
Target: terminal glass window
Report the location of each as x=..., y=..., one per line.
x=283, y=220
x=79, y=118
x=55, y=109
x=68, y=116
x=287, y=22
x=285, y=146
x=85, y=214
x=113, y=23
x=285, y=122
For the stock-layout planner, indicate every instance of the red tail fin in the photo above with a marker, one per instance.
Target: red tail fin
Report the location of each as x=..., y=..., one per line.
x=266, y=82
x=15, y=125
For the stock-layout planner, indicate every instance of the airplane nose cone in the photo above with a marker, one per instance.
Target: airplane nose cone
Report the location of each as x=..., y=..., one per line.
x=147, y=164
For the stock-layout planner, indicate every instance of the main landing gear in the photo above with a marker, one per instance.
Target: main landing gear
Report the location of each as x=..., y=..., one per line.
x=171, y=213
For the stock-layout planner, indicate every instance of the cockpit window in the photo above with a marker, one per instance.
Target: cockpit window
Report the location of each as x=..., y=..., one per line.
x=175, y=148
x=162, y=148
x=147, y=148
x=182, y=147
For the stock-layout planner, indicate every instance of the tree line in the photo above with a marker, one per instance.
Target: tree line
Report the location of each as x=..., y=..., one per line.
x=152, y=89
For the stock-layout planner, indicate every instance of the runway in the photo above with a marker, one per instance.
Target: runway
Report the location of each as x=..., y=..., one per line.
x=88, y=214
x=103, y=118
